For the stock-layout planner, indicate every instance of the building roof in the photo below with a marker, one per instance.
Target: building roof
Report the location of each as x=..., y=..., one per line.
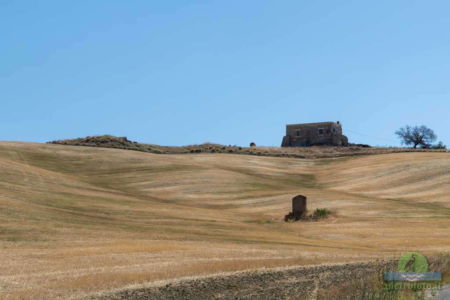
x=312, y=124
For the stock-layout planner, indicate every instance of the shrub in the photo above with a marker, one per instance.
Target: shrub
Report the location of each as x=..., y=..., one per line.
x=439, y=145
x=321, y=213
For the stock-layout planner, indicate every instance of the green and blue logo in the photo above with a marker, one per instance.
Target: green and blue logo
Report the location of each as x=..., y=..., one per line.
x=412, y=267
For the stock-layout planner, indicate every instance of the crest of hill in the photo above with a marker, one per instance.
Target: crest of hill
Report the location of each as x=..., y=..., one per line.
x=106, y=141
x=109, y=141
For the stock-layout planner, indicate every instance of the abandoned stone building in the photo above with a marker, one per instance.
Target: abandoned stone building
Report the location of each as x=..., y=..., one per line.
x=314, y=134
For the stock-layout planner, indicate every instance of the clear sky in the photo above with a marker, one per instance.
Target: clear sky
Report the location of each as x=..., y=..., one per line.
x=232, y=72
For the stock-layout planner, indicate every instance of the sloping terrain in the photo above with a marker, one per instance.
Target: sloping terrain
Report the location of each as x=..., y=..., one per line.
x=109, y=141
x=77, y=220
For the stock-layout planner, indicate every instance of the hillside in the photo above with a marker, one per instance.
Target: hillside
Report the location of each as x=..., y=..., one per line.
x=78, y=220
x=109, y=141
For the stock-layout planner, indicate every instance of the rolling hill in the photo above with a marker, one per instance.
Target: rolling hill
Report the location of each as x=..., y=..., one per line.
x=79, y=220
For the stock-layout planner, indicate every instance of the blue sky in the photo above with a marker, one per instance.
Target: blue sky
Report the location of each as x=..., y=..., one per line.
x=230, y=72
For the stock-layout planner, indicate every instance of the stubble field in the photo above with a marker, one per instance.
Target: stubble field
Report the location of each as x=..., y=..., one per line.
x=77, y=220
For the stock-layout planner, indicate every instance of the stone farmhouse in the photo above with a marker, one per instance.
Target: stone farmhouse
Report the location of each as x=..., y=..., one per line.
x=314, y=134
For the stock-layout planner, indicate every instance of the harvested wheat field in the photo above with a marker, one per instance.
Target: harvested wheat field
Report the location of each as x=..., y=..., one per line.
x=77, y=221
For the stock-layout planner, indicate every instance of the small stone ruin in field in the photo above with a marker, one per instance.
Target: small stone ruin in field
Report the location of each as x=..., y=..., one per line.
x=298, y=209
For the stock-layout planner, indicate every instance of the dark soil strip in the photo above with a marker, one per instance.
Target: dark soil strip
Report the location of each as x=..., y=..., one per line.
x=289, y=283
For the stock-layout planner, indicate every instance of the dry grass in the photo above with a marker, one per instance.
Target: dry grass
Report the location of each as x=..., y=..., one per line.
x=108, y=141
x=76, y=220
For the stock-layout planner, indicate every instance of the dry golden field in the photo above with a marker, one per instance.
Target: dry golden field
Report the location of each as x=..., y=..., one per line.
x=78, y=220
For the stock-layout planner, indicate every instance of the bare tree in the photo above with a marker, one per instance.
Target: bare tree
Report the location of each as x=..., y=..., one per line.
x=416, y=136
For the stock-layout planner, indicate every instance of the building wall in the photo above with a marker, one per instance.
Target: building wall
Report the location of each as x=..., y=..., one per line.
x=325, y=133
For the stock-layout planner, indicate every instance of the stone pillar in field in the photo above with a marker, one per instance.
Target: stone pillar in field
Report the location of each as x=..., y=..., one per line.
x=299, y=206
